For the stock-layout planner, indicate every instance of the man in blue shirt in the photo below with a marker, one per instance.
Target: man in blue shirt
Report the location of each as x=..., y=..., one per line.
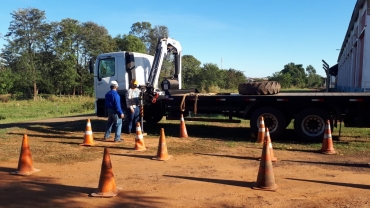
x=115, y=113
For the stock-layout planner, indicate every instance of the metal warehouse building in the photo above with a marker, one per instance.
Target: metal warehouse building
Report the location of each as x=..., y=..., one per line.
x=354, y=57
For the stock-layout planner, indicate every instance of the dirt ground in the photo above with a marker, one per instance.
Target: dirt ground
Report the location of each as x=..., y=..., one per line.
x=216, y=179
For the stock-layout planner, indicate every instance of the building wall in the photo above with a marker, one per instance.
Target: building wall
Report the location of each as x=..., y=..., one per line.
x=354, y=58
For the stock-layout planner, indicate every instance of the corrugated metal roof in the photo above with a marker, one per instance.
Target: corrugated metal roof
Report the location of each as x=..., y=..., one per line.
x=333, y=71
x=354, y=17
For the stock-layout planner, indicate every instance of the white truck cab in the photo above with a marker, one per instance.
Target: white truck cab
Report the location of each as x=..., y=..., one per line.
x=122, y=67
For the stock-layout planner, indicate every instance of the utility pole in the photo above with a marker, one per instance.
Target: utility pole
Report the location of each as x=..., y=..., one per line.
x=221, y=63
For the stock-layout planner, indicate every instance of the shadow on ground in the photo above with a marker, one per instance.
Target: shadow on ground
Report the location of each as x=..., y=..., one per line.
x=75, y=124
x=35, y=191
x=351, y=185
x=218, y=181
x=345, y=164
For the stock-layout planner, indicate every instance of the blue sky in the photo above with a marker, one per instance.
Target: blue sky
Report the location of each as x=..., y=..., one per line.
x=257, y=37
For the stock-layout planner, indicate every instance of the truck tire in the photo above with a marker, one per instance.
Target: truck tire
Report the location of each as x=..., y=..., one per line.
x=259, y=88
x=274, y=121
x=309, y=124
x=153, y=114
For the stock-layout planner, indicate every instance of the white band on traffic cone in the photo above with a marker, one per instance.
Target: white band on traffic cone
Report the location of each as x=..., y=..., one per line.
x=327, y=135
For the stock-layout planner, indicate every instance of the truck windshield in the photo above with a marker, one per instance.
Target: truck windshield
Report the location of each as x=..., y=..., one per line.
x=106, y=67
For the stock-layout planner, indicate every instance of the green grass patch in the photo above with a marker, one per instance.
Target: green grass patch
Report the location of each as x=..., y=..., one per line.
x=49, y=107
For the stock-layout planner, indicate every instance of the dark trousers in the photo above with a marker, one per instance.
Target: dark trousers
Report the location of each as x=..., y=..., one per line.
x=113, y=121
x=131, y=119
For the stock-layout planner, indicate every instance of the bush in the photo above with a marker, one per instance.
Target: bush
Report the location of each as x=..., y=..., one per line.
x=18, y=96
x=52, y=98
x=212, y=89
x=4, y=98
x=88, y=106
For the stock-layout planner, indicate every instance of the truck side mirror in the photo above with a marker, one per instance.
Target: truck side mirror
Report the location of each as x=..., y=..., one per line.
x=91, y=65
x=130, y=61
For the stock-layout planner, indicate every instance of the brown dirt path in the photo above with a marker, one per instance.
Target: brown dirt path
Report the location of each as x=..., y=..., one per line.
x=218, y=179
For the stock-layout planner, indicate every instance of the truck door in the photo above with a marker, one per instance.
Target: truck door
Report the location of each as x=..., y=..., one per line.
x=106, y=73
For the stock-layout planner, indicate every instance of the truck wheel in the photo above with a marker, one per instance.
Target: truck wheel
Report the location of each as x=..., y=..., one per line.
x=259, y=88
x=274, y=121
x=153, y=114
x=309, y=124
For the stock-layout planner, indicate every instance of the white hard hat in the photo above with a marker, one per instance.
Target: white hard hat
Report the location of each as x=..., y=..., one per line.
x=114, y=83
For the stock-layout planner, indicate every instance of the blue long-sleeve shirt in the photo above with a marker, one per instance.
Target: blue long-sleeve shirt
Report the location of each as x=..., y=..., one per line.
x=113, y=101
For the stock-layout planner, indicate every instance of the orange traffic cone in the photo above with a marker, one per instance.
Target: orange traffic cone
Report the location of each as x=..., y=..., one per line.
x=268, y=139
x=162, y=153
x=327, y=143
x=261, y=130
x=139, y=140
x=107, y=185
x=183, y=132
x=25, y=166
x=271, y=150
x=265, y=179
x=88, y=137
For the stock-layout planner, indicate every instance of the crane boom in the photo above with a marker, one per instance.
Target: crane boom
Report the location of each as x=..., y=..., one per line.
x=163, y=48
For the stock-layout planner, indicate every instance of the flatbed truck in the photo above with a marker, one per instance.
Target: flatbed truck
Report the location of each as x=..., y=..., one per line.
x=310, y=111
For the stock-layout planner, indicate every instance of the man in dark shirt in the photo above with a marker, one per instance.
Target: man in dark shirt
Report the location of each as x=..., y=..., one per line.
x=115, y=113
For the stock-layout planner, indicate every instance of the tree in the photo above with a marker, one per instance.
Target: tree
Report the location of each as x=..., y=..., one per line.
x=129, y=43
x=1, y=36
x=93, y=40
x=6, y=80
x=142, y=30
x=313, y=79
x=297, y=72
x=156, y=33
x=210, y=77
x=65, y=68
x=285, y=80
x=52, y=57
x=310, y=69
x=149, y=35
x=233, y=78
x=190, y=70
x=26, y=36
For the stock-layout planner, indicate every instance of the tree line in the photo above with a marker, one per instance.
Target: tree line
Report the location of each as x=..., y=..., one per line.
x=53, y=57
x=294, y=75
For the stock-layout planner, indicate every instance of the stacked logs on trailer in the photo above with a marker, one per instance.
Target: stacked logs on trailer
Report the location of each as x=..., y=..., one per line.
x=259, y=88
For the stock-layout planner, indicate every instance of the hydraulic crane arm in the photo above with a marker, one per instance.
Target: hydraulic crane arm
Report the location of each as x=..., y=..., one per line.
x=164, y=47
